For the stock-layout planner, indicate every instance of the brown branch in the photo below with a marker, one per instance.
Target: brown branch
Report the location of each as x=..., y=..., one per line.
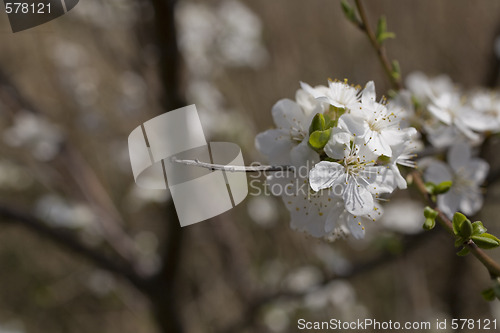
x=492, y=266
x=69, y=241
x=379, y=48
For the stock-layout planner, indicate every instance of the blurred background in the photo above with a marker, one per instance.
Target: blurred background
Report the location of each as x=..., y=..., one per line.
x=83, y=249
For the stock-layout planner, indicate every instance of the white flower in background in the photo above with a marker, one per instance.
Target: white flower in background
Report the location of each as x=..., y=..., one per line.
x=450, y=110
x=375, y=124
x=288, y=143
x=34, y=133
x=65, y=214
x=466, y=173
x=403, y=216
x=486, y=112
x=425, y=88
x=339, y=94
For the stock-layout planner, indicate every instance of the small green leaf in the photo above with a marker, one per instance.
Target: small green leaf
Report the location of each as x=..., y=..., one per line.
x=319, y=139
x=478, y=228
x=466, y=229
x=443, y=187
x=382, y=34
x=317, y=123
x=488, y=294
x=463, y=252
x=429, y=224
x=349, y=11
x=486, y=241
x=459, y=241
x=396, y=70
x=458, y=218
x=430, y=213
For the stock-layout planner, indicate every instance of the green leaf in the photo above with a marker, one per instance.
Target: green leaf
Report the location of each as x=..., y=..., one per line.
x=396, y=70
x=317, y=123
x=478, y=228
x=486, y=241
x=429, y=224
x=463, y=252
x=488, y=294
x=459, y=241
x=381, y=33
x=458, y=218
x=319, y=139
x=443, y=187
x=430, y=213
x=466, y=229
x=349, y=11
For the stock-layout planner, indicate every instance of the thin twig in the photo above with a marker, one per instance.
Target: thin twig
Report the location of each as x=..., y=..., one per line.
x=69, y=241
x=492, y=266
x=236, y=168
x=379, y=48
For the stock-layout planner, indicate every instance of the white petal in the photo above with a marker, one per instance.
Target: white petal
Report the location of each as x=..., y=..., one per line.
x=358, y=200
x=287, y=114
x=440, y=114
x=337, y=208
x=437, y=172
x=471, y=202
x=302, y=154
x=355, y=227
x=476, y=170
x=325, y=174
x=275, y=145
x=376, y=143
x=368, y=96
x=458, y=155
x=354, y=125
x=448, y=203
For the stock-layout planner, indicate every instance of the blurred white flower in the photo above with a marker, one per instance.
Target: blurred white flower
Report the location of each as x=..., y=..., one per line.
x=466, y=173
x=58, y=212
x=403, y=216
x=424, y=88
x=229, y=35
x=263, y=211
x=303, y=278
x=35, y=133
x=485, y=114
x=14, y=177
x=450, y=110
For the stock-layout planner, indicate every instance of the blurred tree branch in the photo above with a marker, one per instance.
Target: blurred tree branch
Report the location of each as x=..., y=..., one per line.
x=69, y=241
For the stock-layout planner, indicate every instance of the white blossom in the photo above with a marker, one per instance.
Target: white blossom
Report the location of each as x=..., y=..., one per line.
x=339, y=94
x=466, y=173
x=375, y=124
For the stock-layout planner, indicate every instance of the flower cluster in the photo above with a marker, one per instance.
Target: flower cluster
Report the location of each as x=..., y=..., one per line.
x=454, y=122
x=350, y=146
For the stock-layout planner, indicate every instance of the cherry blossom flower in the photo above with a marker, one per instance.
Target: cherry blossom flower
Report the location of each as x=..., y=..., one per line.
x=355, y=177
x=450, y=110
x=466, y=173
x=339, y=94
x=379, y=127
